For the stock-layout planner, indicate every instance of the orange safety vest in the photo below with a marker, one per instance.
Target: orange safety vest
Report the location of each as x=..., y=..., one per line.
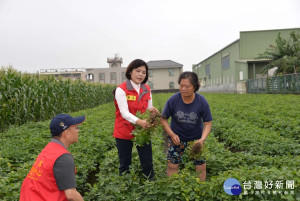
x=136, y=102
x=40, y=183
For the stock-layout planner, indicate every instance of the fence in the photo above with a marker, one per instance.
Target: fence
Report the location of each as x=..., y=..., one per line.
x=285, y=84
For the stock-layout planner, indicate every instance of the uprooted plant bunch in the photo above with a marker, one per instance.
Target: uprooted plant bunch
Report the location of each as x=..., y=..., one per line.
x=196, y=150
x=143, y=136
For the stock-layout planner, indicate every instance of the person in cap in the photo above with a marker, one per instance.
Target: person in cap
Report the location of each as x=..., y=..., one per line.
x=52, y=176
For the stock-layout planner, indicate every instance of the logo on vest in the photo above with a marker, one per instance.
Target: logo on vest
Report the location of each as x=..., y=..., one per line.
x=131, y=98
x=35, y=171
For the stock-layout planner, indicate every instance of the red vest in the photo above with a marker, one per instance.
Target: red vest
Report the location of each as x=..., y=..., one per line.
x=136, y=102
x=40, y=182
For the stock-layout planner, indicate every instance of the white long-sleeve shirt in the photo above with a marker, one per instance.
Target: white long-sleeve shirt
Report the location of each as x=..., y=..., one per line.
x=121, y=99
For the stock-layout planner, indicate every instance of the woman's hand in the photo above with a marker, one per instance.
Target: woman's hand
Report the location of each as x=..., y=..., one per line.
x=153, y=111
x=143, y=123
x=175, y=139
x=201, y=141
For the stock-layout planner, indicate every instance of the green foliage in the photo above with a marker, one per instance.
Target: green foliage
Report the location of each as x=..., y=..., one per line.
x=143, y=136
x=285, y=55
x=31, y=97
x=226, y=153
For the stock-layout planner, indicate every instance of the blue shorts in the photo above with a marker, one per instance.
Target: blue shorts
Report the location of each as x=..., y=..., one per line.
x=175, y=153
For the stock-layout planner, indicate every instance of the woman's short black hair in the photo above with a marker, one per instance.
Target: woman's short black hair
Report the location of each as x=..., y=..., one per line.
x=135, y=64
x=193, y=78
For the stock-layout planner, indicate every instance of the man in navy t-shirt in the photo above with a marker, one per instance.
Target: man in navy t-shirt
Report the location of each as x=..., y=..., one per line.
x=190, y=120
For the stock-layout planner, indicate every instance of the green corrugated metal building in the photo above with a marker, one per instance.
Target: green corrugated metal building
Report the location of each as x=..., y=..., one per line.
x=228, y=69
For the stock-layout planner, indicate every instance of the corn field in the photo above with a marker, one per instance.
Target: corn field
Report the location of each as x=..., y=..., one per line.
x=28, y=97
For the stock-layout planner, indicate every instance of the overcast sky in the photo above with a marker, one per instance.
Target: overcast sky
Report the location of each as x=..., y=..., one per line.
x=40, y=34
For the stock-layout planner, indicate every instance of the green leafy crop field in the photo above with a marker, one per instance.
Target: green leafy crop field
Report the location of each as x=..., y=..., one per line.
x=254, y=139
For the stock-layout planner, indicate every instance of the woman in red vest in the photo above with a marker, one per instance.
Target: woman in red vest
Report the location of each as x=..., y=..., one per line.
x=132, y=96
x=52, y=176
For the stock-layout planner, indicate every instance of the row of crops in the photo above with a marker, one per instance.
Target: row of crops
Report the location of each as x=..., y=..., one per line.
x=27, y=97
x=254, y=138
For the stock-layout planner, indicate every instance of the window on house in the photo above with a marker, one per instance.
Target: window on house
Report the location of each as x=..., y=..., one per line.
x=225, y=62
x=124, y=78
x=150, y=73
x=90, y=77
x=207, y=69
x=113, y=76
x=171, y=85
x=150, y=84
x=171, y=72
x=102, y=76
x=76, y=76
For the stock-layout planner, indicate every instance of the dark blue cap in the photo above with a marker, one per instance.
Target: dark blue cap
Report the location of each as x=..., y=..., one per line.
x=61, y=122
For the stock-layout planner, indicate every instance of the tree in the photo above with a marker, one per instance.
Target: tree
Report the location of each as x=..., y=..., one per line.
x=285, y=55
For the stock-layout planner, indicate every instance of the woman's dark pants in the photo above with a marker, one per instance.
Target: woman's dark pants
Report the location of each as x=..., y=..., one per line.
x=145, y=154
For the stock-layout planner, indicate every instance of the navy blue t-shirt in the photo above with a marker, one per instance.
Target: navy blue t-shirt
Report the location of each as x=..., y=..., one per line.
x=187, y=119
